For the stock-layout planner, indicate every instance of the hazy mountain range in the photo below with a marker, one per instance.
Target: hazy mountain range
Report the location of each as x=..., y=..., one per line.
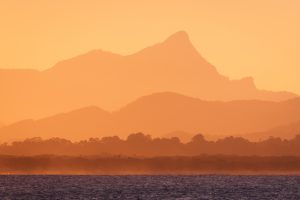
x=159, y=114
x=110, y=81
x=287, y=131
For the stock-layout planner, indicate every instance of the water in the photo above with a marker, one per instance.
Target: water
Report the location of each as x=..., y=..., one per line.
x=149, y=187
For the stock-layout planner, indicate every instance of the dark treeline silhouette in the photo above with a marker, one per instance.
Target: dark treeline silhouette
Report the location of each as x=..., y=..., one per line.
x=144, y=145
x=214, y=164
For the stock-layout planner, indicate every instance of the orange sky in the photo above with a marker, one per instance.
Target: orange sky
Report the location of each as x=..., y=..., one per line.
x=241, y=38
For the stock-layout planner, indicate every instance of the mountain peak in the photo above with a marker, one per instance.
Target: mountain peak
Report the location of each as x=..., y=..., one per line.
x=176, y=45
x=178, y=37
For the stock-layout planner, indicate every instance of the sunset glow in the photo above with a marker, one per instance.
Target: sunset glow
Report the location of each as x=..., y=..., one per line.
x=149, y=99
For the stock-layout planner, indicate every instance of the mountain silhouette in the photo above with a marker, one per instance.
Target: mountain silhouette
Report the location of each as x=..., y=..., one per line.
x=110, y=81
x=86, y=121
x=285, y=132
x=159, y=114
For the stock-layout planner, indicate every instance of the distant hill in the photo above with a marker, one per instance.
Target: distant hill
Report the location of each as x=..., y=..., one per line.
x=109, y=81
x=159, y=114
x=285, y=132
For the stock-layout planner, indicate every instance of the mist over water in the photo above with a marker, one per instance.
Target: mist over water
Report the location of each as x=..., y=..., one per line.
x=149, y=187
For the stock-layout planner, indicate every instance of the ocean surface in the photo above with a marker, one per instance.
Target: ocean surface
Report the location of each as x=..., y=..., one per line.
x=149, y=187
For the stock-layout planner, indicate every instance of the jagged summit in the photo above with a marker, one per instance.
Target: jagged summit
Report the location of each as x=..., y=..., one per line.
x=176, y=45
x=178, y=37
x=181, y=43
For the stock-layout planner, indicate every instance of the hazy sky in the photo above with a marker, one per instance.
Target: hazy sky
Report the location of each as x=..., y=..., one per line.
x=259, y=38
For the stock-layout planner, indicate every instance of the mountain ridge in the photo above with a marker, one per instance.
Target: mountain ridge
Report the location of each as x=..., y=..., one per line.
x=159, y=114
x=110, y=80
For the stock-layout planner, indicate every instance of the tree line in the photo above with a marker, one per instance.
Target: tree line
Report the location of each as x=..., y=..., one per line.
x=139, y=144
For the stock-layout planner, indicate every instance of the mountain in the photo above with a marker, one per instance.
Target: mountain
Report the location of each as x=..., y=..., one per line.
x=87, y=121
x=162, y=113
x=109, y=81
x=285, y=132
x=159, y=114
